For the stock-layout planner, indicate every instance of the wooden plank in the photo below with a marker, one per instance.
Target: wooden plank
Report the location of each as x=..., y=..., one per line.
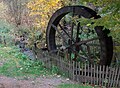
x=115, y=77
x=112, y=78
x=91, y=70
x=94, y=75
x=118, y=78
x=82, y=79
x=69, y=70
x=73, y=70
x=61, y=65
x=85, y=73
x=110, y=75
x=88, y=73
x=106, y=76
x=79, y=72
x=97, y=75
x=100, y=76
x=103, y=69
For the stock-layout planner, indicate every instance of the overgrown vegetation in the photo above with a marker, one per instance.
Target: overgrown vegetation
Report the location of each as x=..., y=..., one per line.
x=6, y=32
x=15, y=63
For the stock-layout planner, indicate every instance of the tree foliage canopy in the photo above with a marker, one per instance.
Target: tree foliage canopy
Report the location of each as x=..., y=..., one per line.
x=110, y=14
x=42, y=10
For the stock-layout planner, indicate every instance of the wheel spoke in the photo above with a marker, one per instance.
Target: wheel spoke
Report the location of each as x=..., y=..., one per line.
x=82, y=42
x=62, y=36
x=86, y=41
x=77, y=48
x=66, y=33
x=78, y=30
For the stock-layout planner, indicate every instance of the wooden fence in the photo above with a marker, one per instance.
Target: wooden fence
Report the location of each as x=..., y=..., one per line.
x=108, y=77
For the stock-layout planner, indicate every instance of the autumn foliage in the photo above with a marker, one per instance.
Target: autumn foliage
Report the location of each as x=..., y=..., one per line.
x=42, y=10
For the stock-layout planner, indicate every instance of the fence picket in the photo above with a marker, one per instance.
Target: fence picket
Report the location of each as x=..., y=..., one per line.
x=88, y=73
x=91, y=68
x=97, y=75
x=85, y=74
x=94, y=73
x=79, y=72
x=82, y=72
x=100, y=82
x=106, y=76
x=103, y=69
x=118, y=79
x=69, y=69
x=73, y=69
x=114, y=80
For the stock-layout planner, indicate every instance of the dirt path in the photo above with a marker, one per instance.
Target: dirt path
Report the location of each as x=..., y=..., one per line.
x=41, y=82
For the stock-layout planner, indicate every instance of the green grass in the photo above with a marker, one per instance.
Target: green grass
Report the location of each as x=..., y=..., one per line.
x=16, y=63
x=73, y=86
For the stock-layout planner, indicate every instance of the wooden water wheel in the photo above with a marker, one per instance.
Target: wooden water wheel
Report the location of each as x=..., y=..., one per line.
x=66, y=33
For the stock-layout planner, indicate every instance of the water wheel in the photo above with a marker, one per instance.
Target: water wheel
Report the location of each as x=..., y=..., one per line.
x=66, y=33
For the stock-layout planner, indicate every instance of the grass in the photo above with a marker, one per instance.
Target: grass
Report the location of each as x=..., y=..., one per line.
x=16, y=63
x=73, y=86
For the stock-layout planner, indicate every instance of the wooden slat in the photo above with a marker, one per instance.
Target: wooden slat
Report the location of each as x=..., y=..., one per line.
x=97, y=76
x=106, y=76
x=79, y=72
x=73, y=69
x=114, y=79
x=94, y=74
x=88, y=73
x=91, y=68
x=85, y=74
x=100, y=81
x=118, y=78
x=103, y=69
